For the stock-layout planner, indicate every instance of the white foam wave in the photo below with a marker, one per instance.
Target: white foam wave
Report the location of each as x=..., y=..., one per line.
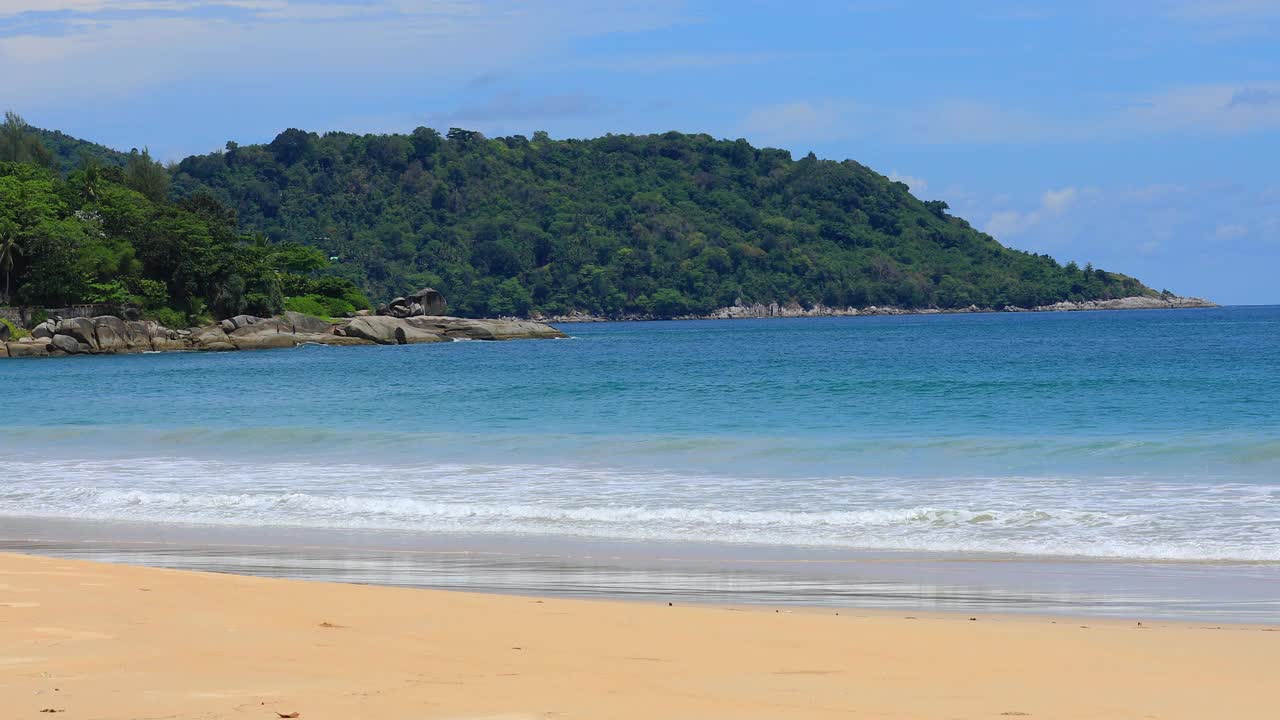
x=1100, y=517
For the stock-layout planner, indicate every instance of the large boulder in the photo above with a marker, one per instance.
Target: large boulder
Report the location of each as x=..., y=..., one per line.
x=431, y=300
x=5, y=332
x=266, y=341
x=4, y=350
x=140, y=333
x=166, y=344
x=111, y=335
x=487, y=329
x=426, y=301
x=211, y=338
x=26, y=350
x=45, y=329
x=337, y=340
x=79, y=328
x=68, y=344
x=380, y=329
x=409, y=335
x=230, y=325
x=268, y=326
x=303, y=323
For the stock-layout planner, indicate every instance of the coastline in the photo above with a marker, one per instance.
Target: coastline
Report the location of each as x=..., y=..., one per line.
x=795, y=310
x=112, y=641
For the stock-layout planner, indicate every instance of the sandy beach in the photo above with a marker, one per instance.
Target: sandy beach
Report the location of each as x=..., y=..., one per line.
x=102, y=641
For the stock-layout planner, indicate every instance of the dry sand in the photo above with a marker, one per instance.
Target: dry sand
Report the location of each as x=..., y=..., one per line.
x=104, y=641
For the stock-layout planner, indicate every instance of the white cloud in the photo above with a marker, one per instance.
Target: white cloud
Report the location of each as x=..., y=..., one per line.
x=1214, y=109
x=918, y=185
x=1230, y=231
x=1057, y=201
x=315, y=49
x=1010, y=223
x=1199, y=10
x=797, y=121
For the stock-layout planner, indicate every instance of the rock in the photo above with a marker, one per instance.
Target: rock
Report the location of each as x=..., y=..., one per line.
x=424, y=302
x=363, y=313
x=27, y=339
x=44, y=329
x=218, y=347
x=409, y=335
x=488, y=329
x=131, y=314
x=111, y=335
x=230, y=325
x=69, y=345
x=206, y=337
x=380, y=329
x=140, y=333
x=266, y=341
x=27, y=350
x=269, y=326
x=432, y=302
x=337, y=340
x=5, y=332
x=4, y=350
x=309, y=324
x=79, y=328
x=167, y=344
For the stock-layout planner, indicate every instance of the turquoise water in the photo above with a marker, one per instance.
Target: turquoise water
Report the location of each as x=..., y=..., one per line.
x=1135, y=436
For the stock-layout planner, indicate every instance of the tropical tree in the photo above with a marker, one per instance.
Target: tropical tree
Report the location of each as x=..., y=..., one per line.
x=147, y=176
x=9, y=250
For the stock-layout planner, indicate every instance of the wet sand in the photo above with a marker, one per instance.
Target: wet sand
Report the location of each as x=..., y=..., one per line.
x=108, y=641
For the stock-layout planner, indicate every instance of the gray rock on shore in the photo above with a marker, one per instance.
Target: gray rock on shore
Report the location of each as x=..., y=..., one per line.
x=109, y=335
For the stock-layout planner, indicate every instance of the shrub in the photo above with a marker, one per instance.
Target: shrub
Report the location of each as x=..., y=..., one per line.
x=168, y=317
x=15, y=332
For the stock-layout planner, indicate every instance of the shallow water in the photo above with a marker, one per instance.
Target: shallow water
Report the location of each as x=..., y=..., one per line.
x=1091, y=440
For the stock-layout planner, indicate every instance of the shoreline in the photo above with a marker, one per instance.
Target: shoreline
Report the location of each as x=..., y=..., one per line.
x=795, y=310
x=114, y=641
x=697, y=573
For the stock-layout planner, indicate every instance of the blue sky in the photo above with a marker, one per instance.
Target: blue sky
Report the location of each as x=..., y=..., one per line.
x=1142, y=136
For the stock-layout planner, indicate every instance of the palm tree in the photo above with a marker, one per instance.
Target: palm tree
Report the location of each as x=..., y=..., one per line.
x=9, y=250
x=91, y=176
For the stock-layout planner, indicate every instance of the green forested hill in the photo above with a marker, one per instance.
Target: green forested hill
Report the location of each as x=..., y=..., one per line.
x=106, y=233
x=664, y=224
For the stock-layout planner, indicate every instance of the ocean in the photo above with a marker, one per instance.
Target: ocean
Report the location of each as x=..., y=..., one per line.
x=1116, y=462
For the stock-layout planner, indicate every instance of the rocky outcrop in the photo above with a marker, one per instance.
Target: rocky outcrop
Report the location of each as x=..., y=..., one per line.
x=1162, y=302
x=107, y=335
x=27, y=350
x=232, y=324
x=426, y=301
x=463, y=328
x=307, y=324
x=379, y=329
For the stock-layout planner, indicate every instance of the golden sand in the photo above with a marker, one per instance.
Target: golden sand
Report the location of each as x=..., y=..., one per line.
x=101, y=641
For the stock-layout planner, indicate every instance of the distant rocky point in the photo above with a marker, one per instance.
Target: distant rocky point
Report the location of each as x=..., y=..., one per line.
x=795, y=310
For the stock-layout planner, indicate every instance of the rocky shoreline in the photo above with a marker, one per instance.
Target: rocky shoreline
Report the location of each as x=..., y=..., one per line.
x=109, y=335
x=795, y=310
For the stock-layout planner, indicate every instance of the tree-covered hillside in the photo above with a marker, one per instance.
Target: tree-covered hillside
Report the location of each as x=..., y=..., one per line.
x=664, y=224
x=110, y=234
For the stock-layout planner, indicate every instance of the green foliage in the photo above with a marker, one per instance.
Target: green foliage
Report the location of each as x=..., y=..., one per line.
x=146, y=176
x=100, y=235
x=15, y=332
x=667, y=224
x=168, y=317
